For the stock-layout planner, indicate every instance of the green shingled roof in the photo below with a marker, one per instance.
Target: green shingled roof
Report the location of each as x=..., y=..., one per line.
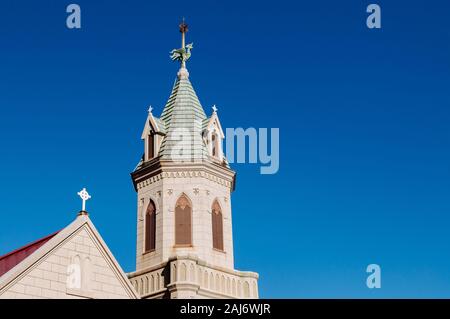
x=161, y=125
x=183, y=114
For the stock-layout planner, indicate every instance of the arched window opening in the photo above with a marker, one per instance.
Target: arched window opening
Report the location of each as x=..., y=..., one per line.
x=183, y=222
x=217, y=226
x=150, y=227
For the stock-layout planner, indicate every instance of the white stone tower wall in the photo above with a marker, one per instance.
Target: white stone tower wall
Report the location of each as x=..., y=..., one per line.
x=202, y=192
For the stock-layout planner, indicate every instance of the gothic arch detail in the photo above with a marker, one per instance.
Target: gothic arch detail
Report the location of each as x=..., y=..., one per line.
x=183, y=221
x=183, y=272
x=211, y=281
x=217, y=284
x=150, y=227
x=192, y=273
x=217, y=226
x=255, y=291
x=205, y=282
x=246, y=289
x=158, y=281
x=222, y=284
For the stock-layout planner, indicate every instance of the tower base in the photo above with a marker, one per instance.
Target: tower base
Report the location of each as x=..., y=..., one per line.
x=187, y=277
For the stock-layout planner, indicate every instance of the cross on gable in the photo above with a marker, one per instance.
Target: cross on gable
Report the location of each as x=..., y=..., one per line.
x=84, y=197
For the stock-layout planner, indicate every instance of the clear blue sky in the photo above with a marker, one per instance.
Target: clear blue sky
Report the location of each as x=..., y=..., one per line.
x=363, y=116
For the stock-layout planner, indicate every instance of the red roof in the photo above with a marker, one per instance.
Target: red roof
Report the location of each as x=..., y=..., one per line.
x=11, y=259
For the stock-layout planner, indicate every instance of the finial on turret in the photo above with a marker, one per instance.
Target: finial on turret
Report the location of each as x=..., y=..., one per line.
x=184, y=53
x=214, y=108
x=150, y=109
x=183, y=29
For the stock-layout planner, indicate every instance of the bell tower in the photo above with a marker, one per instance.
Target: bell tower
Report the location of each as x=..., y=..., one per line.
x=184, y=245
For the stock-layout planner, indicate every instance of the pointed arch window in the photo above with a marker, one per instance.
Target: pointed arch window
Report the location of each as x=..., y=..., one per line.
x=150, y=227
x=217, y=226
x=183, y=222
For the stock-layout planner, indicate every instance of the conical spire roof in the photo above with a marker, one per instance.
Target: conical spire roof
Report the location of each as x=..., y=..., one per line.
x=183, y=132
x=183, y=118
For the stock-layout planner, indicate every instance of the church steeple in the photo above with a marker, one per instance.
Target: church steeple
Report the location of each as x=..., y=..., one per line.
x=184, y=185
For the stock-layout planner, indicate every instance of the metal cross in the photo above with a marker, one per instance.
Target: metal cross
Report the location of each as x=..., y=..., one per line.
x=84, y=196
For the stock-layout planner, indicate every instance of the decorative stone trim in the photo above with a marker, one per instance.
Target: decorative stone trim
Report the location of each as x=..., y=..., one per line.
x=149, y=283
x=183, y=174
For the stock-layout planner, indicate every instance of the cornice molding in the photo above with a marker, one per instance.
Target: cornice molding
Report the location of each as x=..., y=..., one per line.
x=184, y=174
x=160, y=170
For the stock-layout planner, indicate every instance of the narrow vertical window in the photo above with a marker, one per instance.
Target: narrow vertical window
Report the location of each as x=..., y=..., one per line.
x=214, y=148
x=183, y=222
x=150, y=227
x=150, y=146
x=217, y=226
